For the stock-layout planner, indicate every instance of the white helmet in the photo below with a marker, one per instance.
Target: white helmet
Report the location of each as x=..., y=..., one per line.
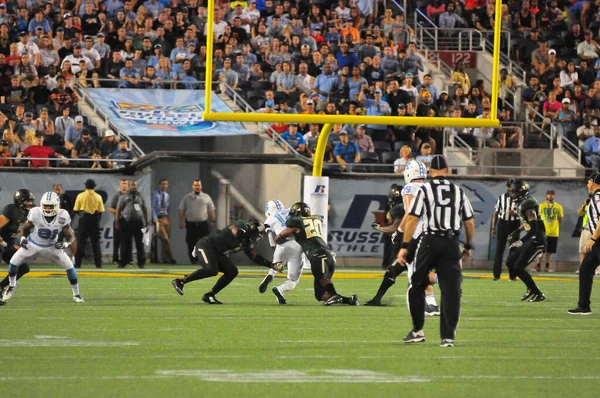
x=272, y=207
x=50, y=204
x=414, y=170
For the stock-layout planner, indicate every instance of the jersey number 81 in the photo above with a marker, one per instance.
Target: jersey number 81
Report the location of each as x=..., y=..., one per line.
x=45, y=233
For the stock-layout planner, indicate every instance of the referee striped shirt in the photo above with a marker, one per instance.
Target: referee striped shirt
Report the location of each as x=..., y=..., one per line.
x=593, y=212
x=442, y=206
x=504, y=205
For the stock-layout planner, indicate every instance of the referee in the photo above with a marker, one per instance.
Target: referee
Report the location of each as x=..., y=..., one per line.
x=505, y=213
x=196, y=209
x=132, y=220
x=442, y=206
x=90, y=207
x=591, y=248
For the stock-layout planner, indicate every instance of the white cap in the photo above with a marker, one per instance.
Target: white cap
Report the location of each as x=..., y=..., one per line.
x=566, y=101
x=552, y=51
x=109, y=133
x=78, y=118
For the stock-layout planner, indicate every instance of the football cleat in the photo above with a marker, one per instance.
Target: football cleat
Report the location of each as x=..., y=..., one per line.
x=337, y=299
x=354, y=300
x=78, y=299
x=414, y=337
x=2, y=303
x=9, y=292
x=280, y=298
x=528, y=294
x=374, y=302
x=539, y=296
x=579, y=311
x=210, y=299
x=447, y=343
x=432, y=310
x=265, y=283
x=178, y=286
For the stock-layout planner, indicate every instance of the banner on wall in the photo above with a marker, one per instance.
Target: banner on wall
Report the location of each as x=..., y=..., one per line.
x=162, y=113
x=316, y=195
x=106, y=186
x=355, y=204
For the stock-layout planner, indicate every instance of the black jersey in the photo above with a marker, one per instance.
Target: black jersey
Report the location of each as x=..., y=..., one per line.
x=397, y=212
x=310, y=235
x=224, y=242
x=16, y=220
x=530, y=203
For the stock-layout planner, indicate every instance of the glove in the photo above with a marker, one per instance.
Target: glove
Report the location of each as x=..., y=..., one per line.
x=61, y=245
x=280, y=240
x=512, y=237
x=194, y=254
x=144, y=230
x=24, y=242
x=3, y=244
x=397, y=237
x=278, y=267
x=516, y=245
x=376, y=226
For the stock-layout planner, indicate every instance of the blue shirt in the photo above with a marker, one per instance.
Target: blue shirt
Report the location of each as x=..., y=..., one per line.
x=373, y=109
x=294, y=141
x=161, y=203
x=592, y=145
x=174, y=53
x=349, y=60
x=325, y=83
x=73, y=135
x=33, y=24
x=432, y=89
x=347, y=152
x=133, y=73
x=112, y=7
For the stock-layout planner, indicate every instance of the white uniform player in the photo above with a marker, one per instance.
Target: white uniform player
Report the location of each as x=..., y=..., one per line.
x=415, y=174
x=40, y=239
x=289, y=253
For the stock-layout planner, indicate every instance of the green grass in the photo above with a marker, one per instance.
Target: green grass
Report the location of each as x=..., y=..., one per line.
x=135, y=337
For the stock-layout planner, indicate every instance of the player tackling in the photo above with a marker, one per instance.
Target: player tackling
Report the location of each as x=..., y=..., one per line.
x=39, y=238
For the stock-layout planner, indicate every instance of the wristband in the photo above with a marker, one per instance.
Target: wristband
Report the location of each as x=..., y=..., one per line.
x=404, y=245
x=468, y=246
x=592, y=239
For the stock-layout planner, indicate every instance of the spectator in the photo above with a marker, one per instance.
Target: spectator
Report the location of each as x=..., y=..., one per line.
x=73, y=134
x=413, y=63
x=376, y=107
x=588, y=49
x=460, y=78
x=83, y=149
x=585, y=131
x=591, y=150
x=323, y=86
x=346, y=151
x=29, y=139
x=27, y=124
x=346, y=58
x=450, y=20
x=13, y=143
x=566, y=119
x=39, y=151
x=569, y=77
x=411, y=90
x=294, y=139
x=402, y=161
x=364, y=142
x=63, y=122
x=428, y=85
x=426, y=154
x=129, y=76
x=62, y=96
x=485, y=135
x=17, y=94
x=427, y=104
x=109, y=143
x=4, y=154
x=551, y=107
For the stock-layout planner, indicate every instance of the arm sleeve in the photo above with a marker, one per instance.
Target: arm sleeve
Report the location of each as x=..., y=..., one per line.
x=416, y=206
x=77, y=206
x=467, y=209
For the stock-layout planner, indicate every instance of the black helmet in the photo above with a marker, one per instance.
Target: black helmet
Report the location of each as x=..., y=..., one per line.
x=509, y=182
x=22, y=196
x=254, y=229
x=519, y=189
x=299, y=209
x=395, y=195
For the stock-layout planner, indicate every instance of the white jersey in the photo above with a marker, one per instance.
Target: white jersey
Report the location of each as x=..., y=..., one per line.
x=44, y=233
x=276, y=224
x=412, y=189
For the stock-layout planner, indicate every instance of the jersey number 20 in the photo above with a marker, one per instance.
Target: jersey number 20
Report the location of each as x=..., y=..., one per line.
x=313, y=228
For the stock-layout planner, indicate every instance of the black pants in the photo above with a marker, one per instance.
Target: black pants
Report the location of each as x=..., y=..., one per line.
x=505, y=228
x=212, y=263
x=132, y=229
x=7, y=254
x=116, y=242
x=388, y=252
x=194, y=231
x=586, y=276
x=443, y=254
x=88, y=228
x=519, y=258
x=322, y=266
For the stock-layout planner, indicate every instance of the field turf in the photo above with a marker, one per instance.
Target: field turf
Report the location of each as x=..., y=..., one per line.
x=135, y=337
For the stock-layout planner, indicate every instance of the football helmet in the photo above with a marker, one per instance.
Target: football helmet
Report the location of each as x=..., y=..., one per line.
x=50, y=204
x=519, y=189
x=415, y=170
x=395, y=195
x=21, y=197
x=300, y=209
x=272, y=207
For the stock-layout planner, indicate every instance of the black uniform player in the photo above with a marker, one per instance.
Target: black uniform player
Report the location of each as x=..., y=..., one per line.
x=524, y=251
x=11, y=221
x=307, y=231
x=212, y=251
x=395, y=215
x=394, y=196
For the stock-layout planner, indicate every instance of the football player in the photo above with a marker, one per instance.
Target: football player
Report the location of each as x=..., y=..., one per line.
x=212, y=251
x=12, y=219
x=523, y=251
x=288, y=253
x=388, y=245
x=39, y=238
x=307, y=230
x=415, y=174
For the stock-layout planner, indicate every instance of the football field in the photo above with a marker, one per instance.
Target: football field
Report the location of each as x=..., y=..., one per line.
x=135, y=337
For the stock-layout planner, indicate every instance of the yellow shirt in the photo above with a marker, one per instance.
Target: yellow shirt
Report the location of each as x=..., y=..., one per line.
x=89, y=202
x=550, y=214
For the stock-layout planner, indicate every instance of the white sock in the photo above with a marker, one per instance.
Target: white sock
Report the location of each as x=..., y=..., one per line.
x=430, y=299
x=286, y=286
x=272, y=272
x=75, y=289
x=12, y=281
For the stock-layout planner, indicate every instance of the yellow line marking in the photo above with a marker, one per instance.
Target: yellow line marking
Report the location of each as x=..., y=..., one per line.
x=177, y=274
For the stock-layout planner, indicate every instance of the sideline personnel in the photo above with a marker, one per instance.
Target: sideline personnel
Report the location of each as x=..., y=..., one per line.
x=90, y=207
x=196, y=209
x=132, y=219
x=443, y=205
x=161, y=203
x=113, y=209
